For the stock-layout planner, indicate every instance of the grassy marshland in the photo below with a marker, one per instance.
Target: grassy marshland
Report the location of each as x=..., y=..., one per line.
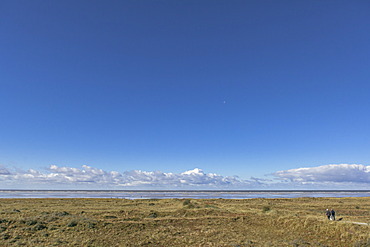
x=183, y=222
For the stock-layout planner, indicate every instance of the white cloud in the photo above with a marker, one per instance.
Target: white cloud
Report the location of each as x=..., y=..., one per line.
x=97, y=178
x=4, y=171
x=340, y=176
x=336, y=173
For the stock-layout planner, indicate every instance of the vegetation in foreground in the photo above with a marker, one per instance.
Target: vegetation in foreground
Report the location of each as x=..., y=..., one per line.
x=184, y=222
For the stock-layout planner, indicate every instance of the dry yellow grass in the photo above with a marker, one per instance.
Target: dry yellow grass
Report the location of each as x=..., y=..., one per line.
x=183, y=222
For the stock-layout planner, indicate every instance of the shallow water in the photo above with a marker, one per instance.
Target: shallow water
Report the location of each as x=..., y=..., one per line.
x=175, y=194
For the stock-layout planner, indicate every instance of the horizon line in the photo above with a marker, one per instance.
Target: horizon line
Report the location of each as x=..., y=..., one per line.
x=107, y=190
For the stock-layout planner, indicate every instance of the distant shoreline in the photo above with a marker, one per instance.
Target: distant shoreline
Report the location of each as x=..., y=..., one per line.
x=181, y=191
x=180, y=194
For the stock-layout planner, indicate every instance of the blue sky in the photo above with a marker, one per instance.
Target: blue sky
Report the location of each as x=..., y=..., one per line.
x=235, y=88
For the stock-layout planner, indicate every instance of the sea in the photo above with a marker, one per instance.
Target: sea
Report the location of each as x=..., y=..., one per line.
x=194, y=194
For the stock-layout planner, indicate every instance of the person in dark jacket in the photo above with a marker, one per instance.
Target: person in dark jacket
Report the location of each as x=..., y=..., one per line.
x=328, y=213
x=332, y=212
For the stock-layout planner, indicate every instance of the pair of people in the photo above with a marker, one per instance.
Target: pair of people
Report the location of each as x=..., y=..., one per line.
x=330, y=214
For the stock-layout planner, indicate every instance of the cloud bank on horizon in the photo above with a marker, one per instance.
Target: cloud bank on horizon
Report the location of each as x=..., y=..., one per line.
x=340, y=176
x=94, y=177
x=335, y=173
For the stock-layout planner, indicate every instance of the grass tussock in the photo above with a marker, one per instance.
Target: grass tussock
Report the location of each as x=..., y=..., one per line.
x=266, y=209
x=183, y=222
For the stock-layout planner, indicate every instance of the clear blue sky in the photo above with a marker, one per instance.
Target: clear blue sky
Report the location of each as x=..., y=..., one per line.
x=233, y=87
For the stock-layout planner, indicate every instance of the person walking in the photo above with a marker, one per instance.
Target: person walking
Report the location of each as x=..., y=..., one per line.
x=328, y=213
x=332, y=212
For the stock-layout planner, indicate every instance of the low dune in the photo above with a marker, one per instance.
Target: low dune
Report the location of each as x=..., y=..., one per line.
x=184, y=222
